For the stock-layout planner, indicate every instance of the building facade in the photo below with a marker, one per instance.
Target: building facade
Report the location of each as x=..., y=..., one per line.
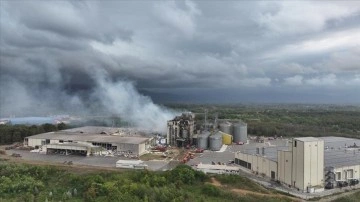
x=89, y=137
x=301, y=165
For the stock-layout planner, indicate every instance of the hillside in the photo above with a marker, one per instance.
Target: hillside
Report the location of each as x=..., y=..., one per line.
x=21, y=182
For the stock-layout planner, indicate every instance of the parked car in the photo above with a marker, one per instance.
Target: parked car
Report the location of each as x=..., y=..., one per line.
x=198, y=150
x=342, y=184
x=353, y=182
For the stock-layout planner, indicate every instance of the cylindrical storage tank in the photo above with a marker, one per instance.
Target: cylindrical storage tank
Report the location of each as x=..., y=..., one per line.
x=240, y=132
x=226, y=128
x=226, y=138
x=215, y=142
x=202, y=140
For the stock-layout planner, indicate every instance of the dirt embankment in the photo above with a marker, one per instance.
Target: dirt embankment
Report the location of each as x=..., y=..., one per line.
x=245, y=192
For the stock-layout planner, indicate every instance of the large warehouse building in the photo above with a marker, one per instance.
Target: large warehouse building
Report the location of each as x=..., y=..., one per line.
x=89, y=139
x=308, y=163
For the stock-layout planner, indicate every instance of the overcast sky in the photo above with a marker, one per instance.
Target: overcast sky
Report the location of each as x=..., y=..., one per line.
x=203, y=51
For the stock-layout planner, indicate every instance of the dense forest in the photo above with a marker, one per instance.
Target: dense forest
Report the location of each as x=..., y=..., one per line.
x=21, y=182
x=16, y=133
x=262, y=120
x=289, y=120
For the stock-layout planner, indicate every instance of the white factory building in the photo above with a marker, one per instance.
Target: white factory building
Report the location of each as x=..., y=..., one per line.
x=90, y=139
x=307, y=163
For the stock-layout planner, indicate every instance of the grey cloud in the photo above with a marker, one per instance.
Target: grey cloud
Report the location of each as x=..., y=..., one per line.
x=51, y=49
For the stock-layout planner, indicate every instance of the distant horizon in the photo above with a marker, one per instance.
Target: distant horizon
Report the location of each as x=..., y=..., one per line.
x=86, y=56
x=55, y=115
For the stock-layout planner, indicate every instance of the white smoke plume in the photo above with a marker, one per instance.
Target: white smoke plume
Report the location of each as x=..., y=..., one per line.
x=106, y=98
x=121, y=98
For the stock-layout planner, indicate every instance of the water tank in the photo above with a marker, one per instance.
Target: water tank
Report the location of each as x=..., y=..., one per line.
x=202, y=140
x=226, y=128
x=215, y=142
x=240, y=132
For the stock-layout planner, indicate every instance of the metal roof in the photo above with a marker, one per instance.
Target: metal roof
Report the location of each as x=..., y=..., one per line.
x=270, y=152
x=338, y=152
x=307, y=139
x=108, y=130
x=78, y=134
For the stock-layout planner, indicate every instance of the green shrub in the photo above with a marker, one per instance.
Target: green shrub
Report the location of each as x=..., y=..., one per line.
x=210, y=190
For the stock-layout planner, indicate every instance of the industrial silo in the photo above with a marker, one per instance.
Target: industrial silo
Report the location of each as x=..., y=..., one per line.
x=240, y=132
x=202, y=140
x=226, y=127
x=215, y=142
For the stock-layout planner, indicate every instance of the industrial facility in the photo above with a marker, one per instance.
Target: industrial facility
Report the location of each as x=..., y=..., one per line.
x=89, y=140
x=180, y=130
x=181, y=133
x=308, y=164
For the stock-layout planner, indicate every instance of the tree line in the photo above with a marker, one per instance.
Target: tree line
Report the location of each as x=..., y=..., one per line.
x=16, y=133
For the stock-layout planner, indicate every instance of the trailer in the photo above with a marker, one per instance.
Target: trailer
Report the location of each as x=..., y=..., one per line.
x=131, y=164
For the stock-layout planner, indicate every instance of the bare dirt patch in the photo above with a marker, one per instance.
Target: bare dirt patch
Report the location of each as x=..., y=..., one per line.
x=152, y=156
x=245, y=192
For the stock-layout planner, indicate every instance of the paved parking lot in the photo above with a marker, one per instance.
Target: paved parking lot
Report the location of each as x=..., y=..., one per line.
x=99, y=161
x=212, y=156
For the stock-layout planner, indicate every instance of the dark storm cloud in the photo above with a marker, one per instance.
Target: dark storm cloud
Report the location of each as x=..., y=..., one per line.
x=52, y=51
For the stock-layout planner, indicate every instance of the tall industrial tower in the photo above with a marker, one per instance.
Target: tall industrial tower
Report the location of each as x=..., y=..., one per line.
x=180, y=130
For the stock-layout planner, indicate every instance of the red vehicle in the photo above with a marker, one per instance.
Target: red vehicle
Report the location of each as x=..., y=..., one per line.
x=198, y=150
x=160, y=148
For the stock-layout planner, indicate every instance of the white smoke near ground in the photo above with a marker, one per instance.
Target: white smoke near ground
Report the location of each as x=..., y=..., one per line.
x=121, y=98
x=107, y=98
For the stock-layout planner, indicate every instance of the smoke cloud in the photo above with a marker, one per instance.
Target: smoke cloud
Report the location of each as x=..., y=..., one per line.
x=106, y=97
x=123, y=99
